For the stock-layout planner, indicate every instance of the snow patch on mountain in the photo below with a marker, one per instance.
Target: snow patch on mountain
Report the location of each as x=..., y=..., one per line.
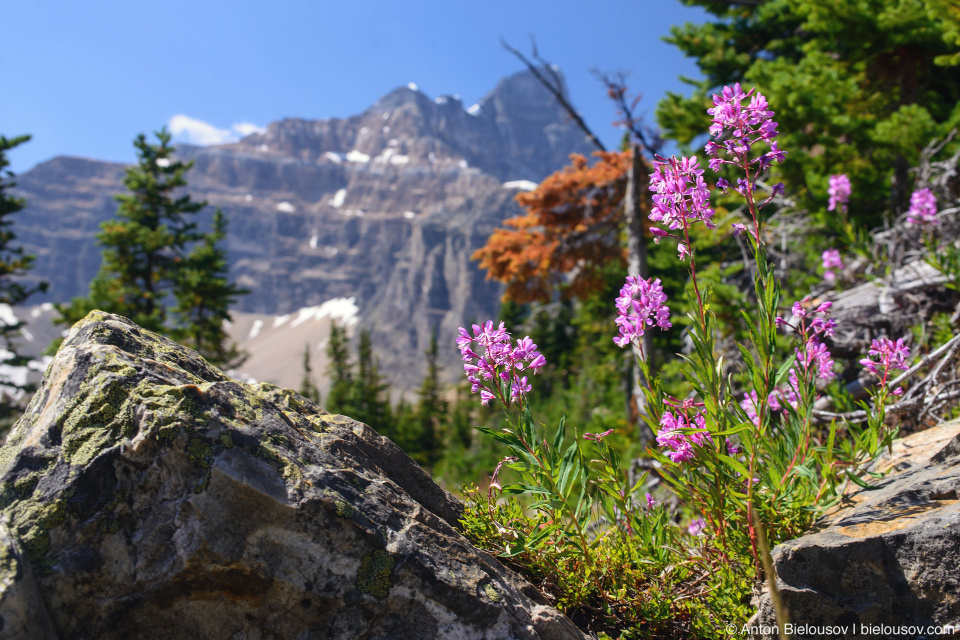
x=523, y=185
x=343, y=309
x=357, y=156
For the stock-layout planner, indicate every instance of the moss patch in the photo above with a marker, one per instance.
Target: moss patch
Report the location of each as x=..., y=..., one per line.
x=343, y=508
x=374, y=574
x=492, y=592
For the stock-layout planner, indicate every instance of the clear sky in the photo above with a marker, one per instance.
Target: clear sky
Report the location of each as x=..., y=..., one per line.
x=84, y=78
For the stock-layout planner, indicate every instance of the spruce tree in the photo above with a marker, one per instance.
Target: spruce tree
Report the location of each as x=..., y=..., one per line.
x=14, y=264
x=308, y=388
x=340, y=371
x=204, y=293
x=368, y=392
x=154, y=256
x=432, y=409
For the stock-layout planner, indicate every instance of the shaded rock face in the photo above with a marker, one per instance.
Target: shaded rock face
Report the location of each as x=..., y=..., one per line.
x=887, y=556
x=386, y=206
x=145, y=494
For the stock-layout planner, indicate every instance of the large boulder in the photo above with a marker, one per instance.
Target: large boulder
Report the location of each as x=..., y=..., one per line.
x=885, y=563
x=144, y=494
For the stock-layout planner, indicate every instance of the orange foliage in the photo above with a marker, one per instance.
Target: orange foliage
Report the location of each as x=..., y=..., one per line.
x=571, y=228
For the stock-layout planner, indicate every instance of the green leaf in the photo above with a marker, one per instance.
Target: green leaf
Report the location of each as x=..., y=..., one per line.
x=734, y=464
x=569, y=469
x=561, y=432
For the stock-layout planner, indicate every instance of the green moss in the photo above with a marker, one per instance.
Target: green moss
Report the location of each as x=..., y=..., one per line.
x=492, y=592
x=343, y=508
x=20, y=489
x=32, y=522
x=204, y=483
x=291, y=472
x=226, y=439
x=374, y=574
x=8, y=564
x=200, y=450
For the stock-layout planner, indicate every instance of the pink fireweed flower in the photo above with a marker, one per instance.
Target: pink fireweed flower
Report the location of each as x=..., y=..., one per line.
x=750, y=404
x=682, y=445
x=831, y=260
x=923, y=208
x=813, y=357
x=696, y=527
x=839, y=192
x=745, y=125
x=886, y=356
x=682, y=197
x=499, y=360
x=641, y=304
x=651, y=503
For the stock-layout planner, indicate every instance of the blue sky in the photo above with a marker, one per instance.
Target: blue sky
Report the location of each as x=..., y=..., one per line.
x=84, y=78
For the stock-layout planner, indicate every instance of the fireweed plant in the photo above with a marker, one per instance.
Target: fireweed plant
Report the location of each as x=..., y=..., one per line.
x=738, y=449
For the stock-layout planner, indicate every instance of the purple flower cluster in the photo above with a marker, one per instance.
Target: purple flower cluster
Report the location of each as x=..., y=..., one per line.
x=923, y=208
x=839, y=192
x=500, y=361
x=681, y=445
x=788, y=394
x=831, y=260
x=813, y=357
x=813, y=326
x=682, y=197
x=640, y=305
x=747, y=124
x=886, y=356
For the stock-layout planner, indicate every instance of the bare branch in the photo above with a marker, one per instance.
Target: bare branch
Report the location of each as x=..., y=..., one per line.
x=555, y=85
x=616, y=86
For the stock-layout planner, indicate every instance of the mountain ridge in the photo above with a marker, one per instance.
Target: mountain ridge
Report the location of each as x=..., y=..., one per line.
x=385, y=206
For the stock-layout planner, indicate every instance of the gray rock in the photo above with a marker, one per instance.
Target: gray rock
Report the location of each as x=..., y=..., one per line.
x=23, y=614
x=154, y=497
x=888, y=559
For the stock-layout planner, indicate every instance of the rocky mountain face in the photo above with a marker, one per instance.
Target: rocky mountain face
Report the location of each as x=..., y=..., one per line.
x=144, y=494
x=385, y=207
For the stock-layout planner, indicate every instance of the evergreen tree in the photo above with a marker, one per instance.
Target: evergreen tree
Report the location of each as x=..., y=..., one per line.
x=368, y=391
x=432, y=410
x=204, y=293
x=340, y=371
x=14, y=264
x=308, y=388
x=154, y=254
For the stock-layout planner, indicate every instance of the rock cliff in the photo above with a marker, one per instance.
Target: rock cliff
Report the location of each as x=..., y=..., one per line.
x=385, y=207
x=144, y=494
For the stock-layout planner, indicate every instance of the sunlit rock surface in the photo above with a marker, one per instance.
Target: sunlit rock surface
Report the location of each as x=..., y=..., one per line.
x=887, y=556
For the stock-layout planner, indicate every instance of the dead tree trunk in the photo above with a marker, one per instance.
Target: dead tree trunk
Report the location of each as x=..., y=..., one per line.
x=637, y=266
